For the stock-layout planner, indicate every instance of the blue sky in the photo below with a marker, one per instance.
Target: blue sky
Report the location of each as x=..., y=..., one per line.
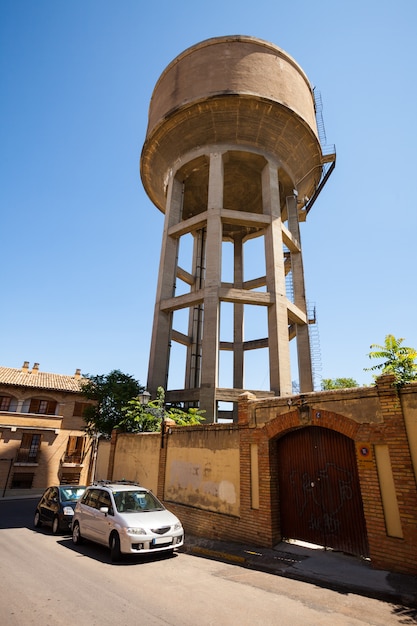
x=80, y=240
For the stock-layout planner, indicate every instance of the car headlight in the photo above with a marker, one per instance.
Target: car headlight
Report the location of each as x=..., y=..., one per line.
x=135, y=531
x=178, y=526
x=68, y=510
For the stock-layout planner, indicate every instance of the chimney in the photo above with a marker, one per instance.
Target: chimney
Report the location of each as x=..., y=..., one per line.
x=35, y=368
x=25, y=367
x=77, y=374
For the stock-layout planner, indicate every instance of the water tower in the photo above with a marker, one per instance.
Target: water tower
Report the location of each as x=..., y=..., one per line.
x=233, y=151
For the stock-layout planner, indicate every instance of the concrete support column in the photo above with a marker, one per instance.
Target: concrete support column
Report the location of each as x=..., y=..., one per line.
x=162, y=322
x=196, y=313
x=303, y=339
x=238, y=317
x=217, y=123
x=210, y=352
x=279, y=351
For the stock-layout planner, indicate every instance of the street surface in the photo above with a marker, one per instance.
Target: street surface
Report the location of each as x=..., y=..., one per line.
x=47, y=580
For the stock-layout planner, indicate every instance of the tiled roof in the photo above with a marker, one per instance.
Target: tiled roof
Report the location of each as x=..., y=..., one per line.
x=25, y=377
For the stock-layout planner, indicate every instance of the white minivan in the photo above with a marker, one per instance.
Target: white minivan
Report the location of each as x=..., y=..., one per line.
x=127, y=518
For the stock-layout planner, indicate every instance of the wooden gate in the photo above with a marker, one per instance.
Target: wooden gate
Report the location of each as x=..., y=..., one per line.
x=319, y=492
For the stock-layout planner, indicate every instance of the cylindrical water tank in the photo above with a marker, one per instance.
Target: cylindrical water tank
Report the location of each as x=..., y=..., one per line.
x=235, y=90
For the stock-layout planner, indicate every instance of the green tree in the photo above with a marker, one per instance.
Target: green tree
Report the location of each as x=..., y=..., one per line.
x=139, y=418
x=149, y=417
x=397, y=359
x=111, y=392
x=338, y=383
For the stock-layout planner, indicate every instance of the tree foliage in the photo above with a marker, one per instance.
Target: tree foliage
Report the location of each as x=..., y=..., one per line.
x=396, y=359
x=111, y=392
x=338, y=383
x=148, y=418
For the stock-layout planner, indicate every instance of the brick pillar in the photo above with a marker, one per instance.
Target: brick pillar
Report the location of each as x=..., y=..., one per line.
x=112, y=455
x=243, y=408
x=162, y=468
x=392, y=552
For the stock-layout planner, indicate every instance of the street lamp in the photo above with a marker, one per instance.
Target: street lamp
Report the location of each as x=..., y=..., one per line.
x=144, y=397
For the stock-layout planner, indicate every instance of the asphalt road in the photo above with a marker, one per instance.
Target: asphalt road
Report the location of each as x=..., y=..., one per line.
x=47, y=580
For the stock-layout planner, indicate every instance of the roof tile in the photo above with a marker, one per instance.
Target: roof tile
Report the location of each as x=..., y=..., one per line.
x=39, y=380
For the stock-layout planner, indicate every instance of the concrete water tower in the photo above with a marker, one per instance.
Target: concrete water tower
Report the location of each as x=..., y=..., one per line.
x=233, y=152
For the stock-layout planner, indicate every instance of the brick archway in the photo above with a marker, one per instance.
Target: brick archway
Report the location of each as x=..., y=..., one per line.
x=335, y=499
x=319, y=491
x=309, y=416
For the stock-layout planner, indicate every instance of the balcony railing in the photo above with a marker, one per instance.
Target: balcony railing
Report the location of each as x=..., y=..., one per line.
x=26, y=455
x=72, y=459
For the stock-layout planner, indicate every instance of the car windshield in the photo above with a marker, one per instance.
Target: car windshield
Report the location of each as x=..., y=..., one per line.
x=71, y=493
x=136, y=502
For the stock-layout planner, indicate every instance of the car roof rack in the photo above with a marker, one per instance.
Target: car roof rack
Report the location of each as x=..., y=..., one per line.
x=117, y=482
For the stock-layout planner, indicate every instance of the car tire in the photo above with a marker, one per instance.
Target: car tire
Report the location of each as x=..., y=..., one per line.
x=55, y=525
x=76, y=534
x=37, y=520
x=115, y=553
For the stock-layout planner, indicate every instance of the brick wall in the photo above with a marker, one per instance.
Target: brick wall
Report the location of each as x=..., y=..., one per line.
x=374, y=415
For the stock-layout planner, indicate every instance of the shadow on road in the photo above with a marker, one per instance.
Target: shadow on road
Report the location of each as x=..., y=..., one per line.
x=17, y=513
x=20, y=514
x=102, y=554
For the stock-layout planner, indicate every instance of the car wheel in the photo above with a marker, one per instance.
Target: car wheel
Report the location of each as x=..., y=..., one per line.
x=76, y=534
x=115, y=552
x=37, y=520
x=55, y=525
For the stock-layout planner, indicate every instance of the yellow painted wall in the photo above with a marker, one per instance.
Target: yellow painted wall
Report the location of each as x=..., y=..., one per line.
x=137, y=458
x=203, y=470
x=103, y=456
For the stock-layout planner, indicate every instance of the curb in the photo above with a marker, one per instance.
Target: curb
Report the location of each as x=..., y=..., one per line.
x=404, y=598
x=217, y=555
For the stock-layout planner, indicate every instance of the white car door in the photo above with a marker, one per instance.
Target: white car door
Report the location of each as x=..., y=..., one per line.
x=103, y=522
x=87, y=515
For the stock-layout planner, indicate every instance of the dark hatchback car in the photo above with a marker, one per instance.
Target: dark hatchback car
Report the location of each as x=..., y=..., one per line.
x=56, y=507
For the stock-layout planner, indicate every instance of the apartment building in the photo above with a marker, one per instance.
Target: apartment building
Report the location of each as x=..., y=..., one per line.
x=42, y=430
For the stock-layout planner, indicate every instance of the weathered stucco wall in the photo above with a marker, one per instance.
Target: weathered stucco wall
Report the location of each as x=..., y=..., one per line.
x=359, y=404
x=203, y=470
x=201, y=466
x=137, y=458
x=102, y=462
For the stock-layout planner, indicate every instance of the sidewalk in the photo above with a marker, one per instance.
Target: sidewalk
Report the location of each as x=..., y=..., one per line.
x=21, y=494
x=326, y=568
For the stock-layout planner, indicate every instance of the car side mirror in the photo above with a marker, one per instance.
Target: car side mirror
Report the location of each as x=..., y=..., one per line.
x=104, y=509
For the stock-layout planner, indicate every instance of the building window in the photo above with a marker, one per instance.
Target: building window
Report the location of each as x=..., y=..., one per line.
x=80, y=408
x=75, y=449
x=8, y=403
x=70, y=479
x=29, y=449
x=5, y=403
x=45, y=407
x=22, y=481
